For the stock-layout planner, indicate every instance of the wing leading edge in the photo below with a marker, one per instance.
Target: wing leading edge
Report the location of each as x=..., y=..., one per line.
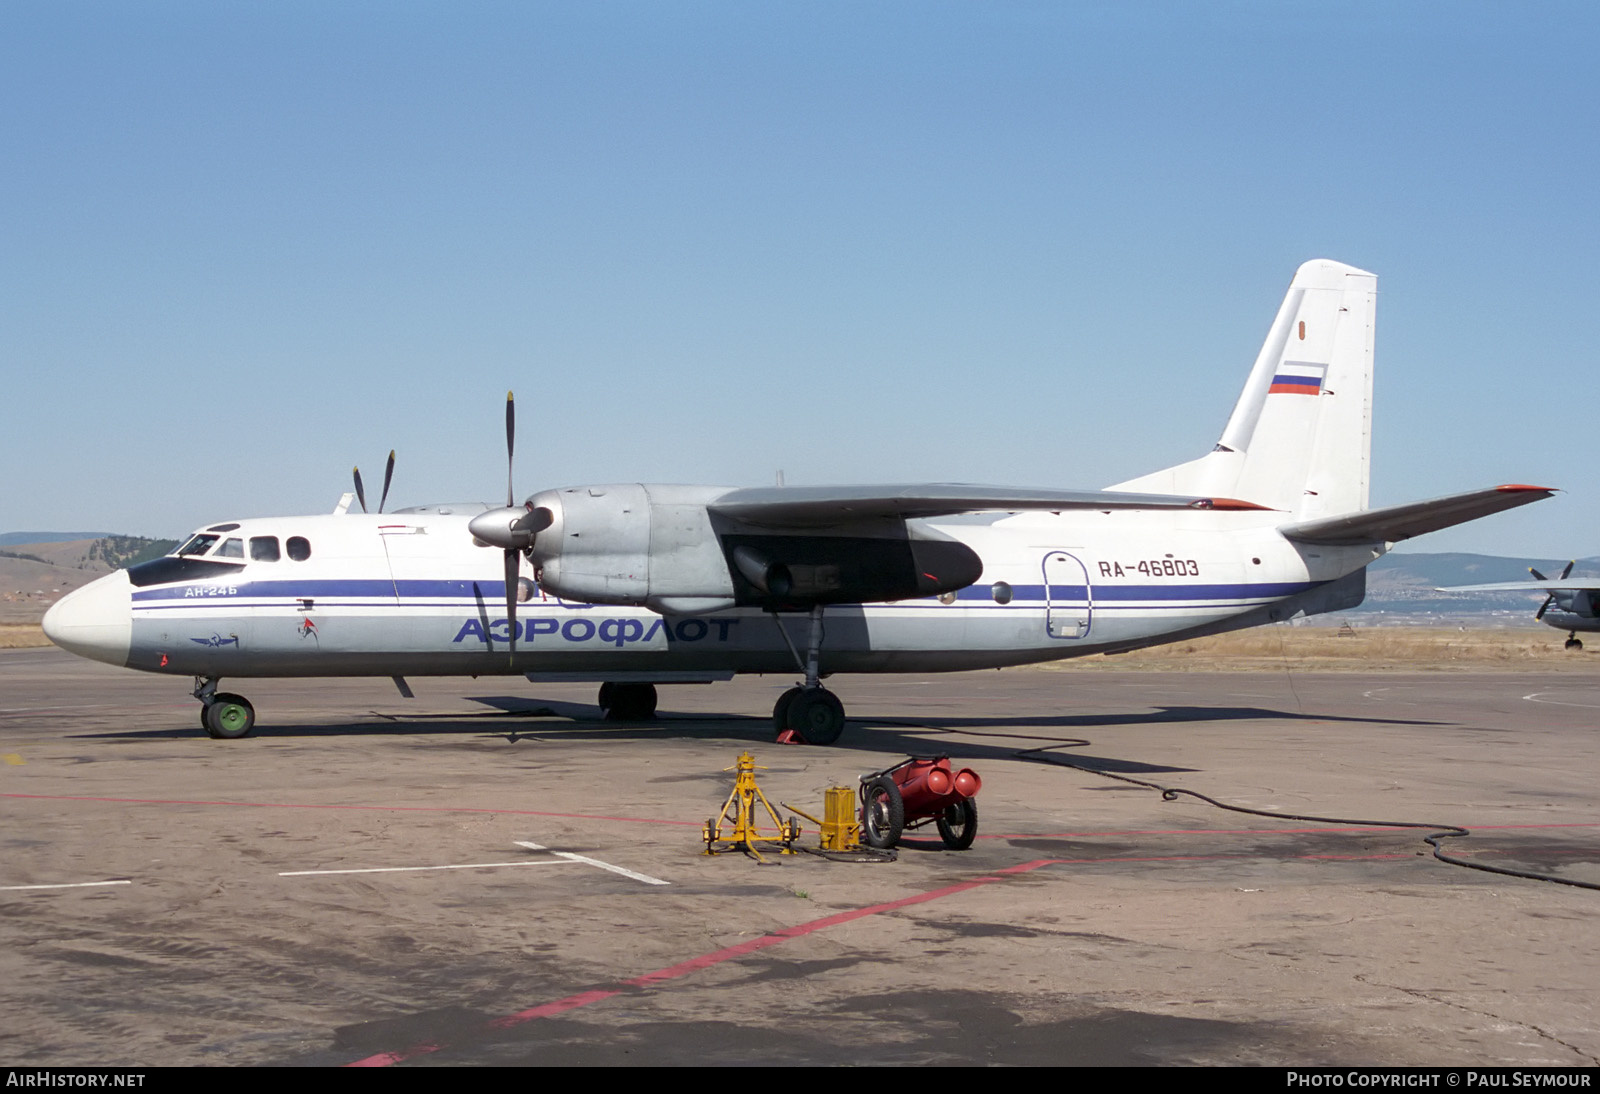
x=1397, y=522
x=822, y=506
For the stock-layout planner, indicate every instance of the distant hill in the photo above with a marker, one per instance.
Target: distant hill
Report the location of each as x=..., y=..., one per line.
x=36, y=572
x=8, y=538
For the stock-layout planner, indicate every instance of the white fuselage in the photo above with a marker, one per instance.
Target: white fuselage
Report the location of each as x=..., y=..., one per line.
x=411, y=594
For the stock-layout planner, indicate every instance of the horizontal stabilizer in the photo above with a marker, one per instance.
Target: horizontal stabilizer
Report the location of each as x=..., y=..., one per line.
x=1397, y=522
x=821, y=506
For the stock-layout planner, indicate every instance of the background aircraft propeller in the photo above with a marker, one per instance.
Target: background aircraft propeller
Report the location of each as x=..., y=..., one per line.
x=1550, y=598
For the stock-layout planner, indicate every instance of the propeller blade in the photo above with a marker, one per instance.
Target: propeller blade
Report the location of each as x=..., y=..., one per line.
x=388, y=477
x=511, y=433
x=511, y=601
x=1567, y=570
x=361, y=495
x=1538, y=615
x=1537, y=576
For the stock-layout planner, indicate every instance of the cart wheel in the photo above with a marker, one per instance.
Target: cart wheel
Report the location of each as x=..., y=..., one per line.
x=958, y=825
x=883, y=812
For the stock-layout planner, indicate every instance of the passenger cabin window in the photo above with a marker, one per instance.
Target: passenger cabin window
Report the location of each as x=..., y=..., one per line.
x=233, y=548
x=299, y=548
x=264, y=548
x=198, y=545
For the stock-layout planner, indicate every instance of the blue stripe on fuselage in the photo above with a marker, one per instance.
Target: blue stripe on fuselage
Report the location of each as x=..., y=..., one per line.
x=471, y=591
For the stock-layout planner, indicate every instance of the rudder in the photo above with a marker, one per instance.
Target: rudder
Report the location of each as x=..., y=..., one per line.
x=1300, y=437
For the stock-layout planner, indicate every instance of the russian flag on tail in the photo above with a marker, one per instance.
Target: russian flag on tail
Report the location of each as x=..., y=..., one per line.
x=1298, y=378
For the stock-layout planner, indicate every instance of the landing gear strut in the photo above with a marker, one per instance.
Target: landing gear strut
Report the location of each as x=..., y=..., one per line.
x=223, y=715
x=627, y=702
x=809, y=711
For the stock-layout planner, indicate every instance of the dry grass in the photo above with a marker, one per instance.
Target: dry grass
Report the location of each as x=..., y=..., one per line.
x=16, y=636
x=1372, y=649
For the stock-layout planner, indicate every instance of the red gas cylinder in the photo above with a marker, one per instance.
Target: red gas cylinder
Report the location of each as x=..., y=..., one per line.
x=928, y=787
x=967, y=783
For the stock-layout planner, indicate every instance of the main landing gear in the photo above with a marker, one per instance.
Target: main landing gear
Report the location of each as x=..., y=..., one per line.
x=1573, y=642
x=808, y=711
x=223, y=715
x=627, y=702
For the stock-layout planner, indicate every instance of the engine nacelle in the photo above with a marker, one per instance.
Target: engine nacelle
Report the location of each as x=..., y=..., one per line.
x=662, y=548
x=596, y=549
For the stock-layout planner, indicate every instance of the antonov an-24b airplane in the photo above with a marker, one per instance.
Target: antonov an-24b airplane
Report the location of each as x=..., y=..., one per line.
x=1571, y=604
x=632, y=585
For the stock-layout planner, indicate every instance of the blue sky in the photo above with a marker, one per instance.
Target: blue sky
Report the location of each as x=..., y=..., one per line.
x=245, y=246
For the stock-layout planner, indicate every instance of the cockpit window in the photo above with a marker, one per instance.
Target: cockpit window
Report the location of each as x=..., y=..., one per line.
x=198, y=545
x=233, y=548
x=165, y=571
x=264, y=548
x=299, y=548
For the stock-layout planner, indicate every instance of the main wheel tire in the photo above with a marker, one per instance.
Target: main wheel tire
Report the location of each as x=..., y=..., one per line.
x=628, y=702
x=229, y=717
x=958, y=825
x=817, y=715
x=1574, y=643
x=883, y=813
x=780, y=709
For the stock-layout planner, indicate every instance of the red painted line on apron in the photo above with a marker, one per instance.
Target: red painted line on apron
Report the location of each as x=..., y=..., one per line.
x=706, y=961
x=717, y=957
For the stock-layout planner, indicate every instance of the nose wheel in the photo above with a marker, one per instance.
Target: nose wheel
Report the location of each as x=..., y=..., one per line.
x=223, y=715
x=229, y=716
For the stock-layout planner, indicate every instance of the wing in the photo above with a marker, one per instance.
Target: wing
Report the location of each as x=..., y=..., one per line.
x=822, y=506
x=1397, y=522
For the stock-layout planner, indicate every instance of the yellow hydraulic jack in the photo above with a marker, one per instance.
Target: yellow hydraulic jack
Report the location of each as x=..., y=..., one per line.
x=740, y=811
x=841, y=824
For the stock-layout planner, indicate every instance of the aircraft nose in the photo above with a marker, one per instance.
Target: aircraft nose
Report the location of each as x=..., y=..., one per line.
x=95, y=621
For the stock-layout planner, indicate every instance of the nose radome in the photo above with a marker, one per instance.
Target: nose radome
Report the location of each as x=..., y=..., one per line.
x=96, y=621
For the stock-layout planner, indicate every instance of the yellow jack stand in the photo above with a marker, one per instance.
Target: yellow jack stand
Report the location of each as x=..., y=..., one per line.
x=841, y=824
x=740, y=811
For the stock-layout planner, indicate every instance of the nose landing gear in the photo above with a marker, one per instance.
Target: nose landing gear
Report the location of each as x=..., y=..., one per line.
x=223, y=715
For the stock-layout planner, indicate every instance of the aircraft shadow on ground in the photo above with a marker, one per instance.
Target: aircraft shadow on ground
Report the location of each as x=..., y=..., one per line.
x=521, y=718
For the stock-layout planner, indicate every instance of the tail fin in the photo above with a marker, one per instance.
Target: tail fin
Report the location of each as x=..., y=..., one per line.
x=1300, y=437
